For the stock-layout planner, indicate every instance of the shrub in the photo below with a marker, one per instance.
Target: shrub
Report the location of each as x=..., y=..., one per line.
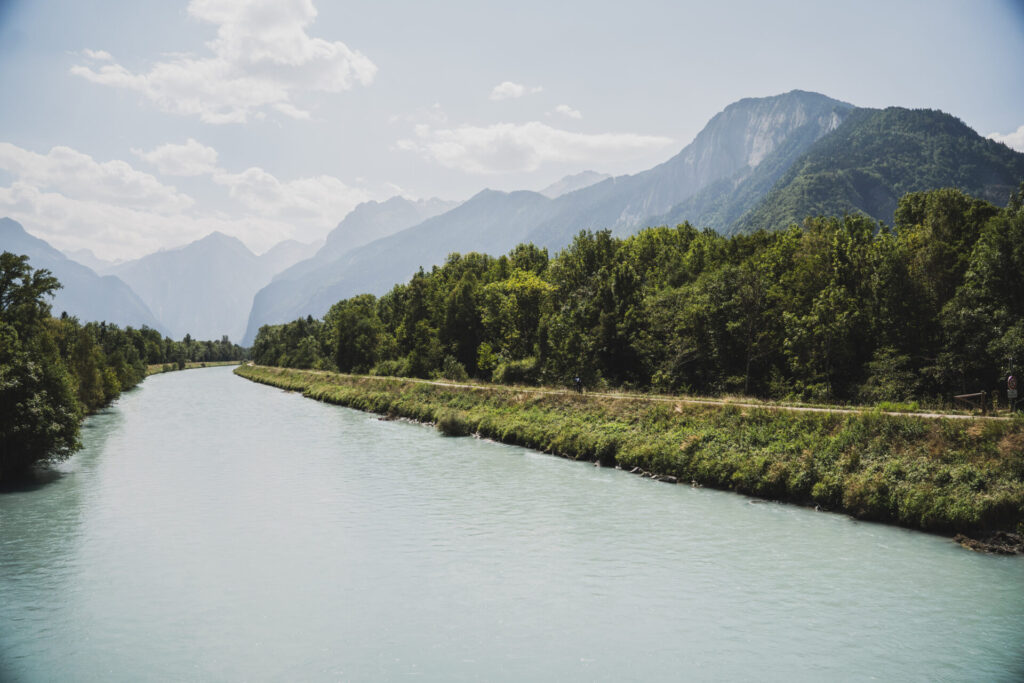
x=391, y=368
x=454, y=370
x=450, y=423
x=526, y=371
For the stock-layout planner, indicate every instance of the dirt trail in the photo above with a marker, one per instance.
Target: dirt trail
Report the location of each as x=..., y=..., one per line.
x=678, y=399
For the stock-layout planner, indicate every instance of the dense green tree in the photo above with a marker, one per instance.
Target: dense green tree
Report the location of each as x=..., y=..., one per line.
x=835, y=309
x=38, y=412
x=355, y=332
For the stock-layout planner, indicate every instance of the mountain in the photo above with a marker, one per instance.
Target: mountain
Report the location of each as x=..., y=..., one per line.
x=876, y=156
x=571, y=183
x=286, y=254
x=203, y=289
x=373, y=220
x=368, y=222
x=84, y=294
x=87, y=258
x=733, y=145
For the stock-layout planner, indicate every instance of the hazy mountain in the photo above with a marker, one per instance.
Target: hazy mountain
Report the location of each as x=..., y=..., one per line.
x=370, y=221
x=571, y=183
x=204, y=288
x=88, y=258
x=373, y=220
x=773, y=130
x=286, y=254
x=877, y=156
x=84, y=294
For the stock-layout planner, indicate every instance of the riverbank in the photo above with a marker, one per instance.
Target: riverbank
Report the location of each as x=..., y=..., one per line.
x=939, y=475
x=160, y=368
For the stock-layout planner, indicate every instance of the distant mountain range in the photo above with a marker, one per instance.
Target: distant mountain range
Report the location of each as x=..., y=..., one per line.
x=206, y=288
x=83, y=294
x=760, y=163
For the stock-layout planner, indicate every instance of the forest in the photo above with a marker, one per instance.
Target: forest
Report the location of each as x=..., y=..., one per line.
x=839, y=310
x=55, y=371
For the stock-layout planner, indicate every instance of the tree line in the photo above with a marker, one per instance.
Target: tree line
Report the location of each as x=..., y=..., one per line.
x=54, y=371
x=834, y=309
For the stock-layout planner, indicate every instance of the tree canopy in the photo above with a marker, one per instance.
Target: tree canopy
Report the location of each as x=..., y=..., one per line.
x=836, y=309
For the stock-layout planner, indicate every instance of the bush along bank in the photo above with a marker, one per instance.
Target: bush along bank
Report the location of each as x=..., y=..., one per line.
x=938, y=475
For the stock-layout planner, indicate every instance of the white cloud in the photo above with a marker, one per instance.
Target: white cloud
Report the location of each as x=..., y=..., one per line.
x=98, y=55
x=79, y=176
x=504, y=147
x=568, y=112
x=322, y=199
x=74, y=202
x=190, y=159
x=511, y=91
x=261, y=57
x=111, y=230
x=1014, y=139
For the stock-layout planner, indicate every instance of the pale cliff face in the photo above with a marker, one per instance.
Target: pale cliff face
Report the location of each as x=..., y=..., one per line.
x=746, y=132
x=730, y=147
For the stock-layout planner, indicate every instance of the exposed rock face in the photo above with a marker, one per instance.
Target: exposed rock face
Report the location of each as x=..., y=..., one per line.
x=730, y=148
x=731, y=164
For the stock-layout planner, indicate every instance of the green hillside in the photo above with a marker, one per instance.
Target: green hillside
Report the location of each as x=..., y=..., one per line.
x=877, y=156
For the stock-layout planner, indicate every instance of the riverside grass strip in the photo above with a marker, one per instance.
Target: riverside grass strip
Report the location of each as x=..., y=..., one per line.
x=938, y=475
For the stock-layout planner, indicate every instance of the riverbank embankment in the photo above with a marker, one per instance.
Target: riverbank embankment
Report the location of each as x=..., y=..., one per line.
x=940, y=475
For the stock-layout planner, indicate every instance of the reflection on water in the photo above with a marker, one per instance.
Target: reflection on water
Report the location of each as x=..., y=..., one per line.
x=214, y=529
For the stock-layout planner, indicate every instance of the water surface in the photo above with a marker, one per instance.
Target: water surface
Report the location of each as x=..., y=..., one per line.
x=214, y=529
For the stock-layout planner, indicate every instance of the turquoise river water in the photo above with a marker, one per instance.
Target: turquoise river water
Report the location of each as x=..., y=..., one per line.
x=217, y=530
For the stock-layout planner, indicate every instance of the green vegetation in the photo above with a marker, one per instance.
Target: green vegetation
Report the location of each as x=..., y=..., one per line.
x=832, y=310
x=877, y=156
x=159, y=368
x=936, y=475
x=890, y=407
x=54, y=371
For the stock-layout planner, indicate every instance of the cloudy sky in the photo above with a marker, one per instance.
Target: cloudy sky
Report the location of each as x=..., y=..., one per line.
x=131, y=125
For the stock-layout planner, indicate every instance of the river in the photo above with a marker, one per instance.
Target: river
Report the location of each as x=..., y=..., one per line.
x=212, y=529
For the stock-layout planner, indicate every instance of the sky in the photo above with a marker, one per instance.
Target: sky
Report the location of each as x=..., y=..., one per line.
x=128, y=126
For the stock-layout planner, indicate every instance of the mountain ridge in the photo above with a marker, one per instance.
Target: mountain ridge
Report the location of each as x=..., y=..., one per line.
x=83, y=293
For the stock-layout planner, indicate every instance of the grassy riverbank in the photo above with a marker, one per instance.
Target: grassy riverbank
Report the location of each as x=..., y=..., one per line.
x=160, y=368
x=942, y=475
